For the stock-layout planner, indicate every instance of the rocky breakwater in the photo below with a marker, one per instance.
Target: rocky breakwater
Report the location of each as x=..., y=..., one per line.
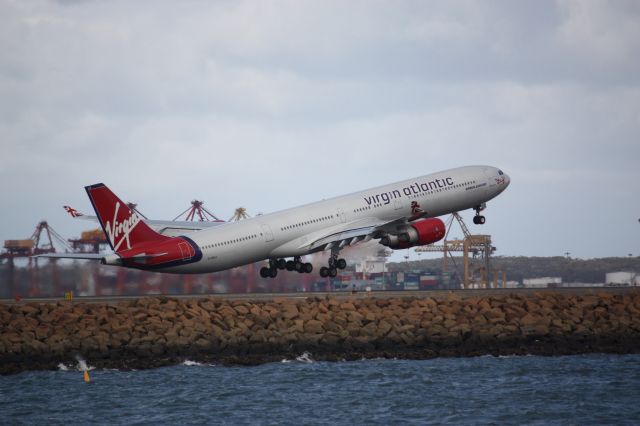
x=151, y=332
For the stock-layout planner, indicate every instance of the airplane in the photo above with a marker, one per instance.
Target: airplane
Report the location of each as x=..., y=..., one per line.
x=399, y=215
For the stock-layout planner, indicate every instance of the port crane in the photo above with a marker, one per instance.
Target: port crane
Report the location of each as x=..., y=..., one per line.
x=478, y=246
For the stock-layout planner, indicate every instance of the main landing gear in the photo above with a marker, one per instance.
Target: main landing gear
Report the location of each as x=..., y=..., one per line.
x=334, y=265
x=296, y=264
x=478, y=219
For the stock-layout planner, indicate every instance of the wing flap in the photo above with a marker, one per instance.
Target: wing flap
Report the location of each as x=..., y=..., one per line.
x=352, y=233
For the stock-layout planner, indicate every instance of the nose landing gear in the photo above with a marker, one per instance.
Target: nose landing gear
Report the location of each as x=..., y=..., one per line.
x=478, y=219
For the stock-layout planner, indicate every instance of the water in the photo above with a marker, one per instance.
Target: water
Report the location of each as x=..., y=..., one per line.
x=588, y=389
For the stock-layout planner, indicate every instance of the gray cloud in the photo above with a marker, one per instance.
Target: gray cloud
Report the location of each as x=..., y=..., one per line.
x=277, y=103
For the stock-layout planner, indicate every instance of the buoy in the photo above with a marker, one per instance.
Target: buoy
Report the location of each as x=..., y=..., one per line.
x=86, y=376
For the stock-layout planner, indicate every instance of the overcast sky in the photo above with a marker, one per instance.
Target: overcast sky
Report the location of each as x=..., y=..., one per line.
x=271, y=104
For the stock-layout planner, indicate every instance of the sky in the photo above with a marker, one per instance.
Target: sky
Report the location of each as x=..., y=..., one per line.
x=273, y=104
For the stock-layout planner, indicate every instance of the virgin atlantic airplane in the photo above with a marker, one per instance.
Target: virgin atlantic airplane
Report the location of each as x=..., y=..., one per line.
x=398, y=215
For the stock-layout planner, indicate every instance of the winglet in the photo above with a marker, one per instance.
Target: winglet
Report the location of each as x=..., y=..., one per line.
x=73, y=212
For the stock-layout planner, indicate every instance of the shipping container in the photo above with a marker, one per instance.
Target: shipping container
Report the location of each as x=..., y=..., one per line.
x=19, y=244
x=411, y=285
x=396, y=286
x=428, y=282
x=93, y=235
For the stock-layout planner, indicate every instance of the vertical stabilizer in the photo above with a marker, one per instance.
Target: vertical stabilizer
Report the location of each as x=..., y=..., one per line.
x=122, y=226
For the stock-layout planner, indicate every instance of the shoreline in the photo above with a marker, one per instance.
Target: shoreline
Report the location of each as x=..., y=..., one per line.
x=160, y=331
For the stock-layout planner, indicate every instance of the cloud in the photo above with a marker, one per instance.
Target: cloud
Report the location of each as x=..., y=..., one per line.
x=271, y=104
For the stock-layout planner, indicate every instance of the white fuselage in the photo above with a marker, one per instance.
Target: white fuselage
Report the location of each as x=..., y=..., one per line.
x=287, y=233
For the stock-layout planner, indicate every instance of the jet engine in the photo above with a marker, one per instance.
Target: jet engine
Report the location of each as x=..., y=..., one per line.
x=419, y=233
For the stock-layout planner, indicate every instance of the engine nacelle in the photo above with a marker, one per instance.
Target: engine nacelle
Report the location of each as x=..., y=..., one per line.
x=419, y=233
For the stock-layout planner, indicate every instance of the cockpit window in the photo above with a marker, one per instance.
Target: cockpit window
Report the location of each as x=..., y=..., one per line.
x=500, y=172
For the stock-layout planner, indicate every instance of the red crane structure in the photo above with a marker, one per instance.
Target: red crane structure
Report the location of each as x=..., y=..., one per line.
x=197, y=209
x=43, y=240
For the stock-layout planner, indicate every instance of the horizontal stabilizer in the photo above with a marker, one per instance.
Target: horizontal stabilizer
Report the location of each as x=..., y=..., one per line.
x=170, y=228
x=88, y=256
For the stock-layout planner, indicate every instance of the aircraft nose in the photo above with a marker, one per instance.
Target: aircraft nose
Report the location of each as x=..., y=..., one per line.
x=507, y=180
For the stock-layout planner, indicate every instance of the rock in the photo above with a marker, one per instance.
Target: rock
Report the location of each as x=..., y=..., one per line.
x=331, y=339
x=450, y=323
x=241, y=309
x=355, y=317
x=42, y=332
x=160, y=327
x=332, y=327
x=353, y=329
x=313, y=326
x=30, y=309
x=347, y=306
x=290, y=311
x=461, y=328
x=529, y=320
x=383, y=328
x=404, y=328
x=382, y=303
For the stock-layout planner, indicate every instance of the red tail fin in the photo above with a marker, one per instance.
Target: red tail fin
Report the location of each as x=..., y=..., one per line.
x=122, y=226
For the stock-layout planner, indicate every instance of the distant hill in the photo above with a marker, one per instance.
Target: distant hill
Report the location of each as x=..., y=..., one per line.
x=517, y=268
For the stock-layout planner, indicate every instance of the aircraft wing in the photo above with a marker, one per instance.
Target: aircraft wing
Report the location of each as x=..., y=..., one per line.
x=170, y=228
x=353, y=232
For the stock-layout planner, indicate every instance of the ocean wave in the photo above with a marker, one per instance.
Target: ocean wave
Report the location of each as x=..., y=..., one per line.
x=82, y=365
x=305, y=357
x=190, y=363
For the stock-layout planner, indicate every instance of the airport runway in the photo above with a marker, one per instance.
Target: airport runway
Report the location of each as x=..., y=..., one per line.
x=436, y=294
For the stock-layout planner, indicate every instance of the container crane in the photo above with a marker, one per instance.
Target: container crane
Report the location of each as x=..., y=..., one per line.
x=198, y=210
x=43, y=240
x=239, y=214
x=479, y=246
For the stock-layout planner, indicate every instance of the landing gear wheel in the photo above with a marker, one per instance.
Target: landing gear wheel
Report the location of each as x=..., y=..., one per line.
x=341, y=264
x=281, y=263
x=333, y=272
x=290, y=265
x=324, y=272
x=307, y=268
x=264, y=272
x=273, y=272
x=297, y=266
x=478, y=219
